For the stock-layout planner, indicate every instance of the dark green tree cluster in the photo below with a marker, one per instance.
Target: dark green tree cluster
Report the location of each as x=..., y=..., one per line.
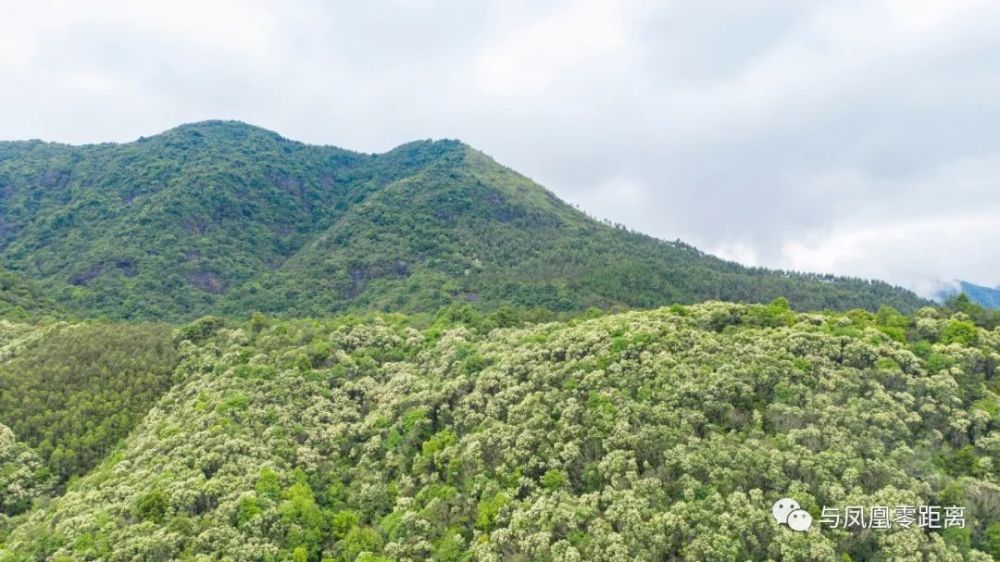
x=72, y=392
x=224, y=218
x=23, y=299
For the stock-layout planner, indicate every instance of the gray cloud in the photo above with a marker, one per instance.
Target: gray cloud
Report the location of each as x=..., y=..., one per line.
x=851, y=137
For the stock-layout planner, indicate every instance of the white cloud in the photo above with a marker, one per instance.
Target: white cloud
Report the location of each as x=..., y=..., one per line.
x=912, y=251
x=569, y=37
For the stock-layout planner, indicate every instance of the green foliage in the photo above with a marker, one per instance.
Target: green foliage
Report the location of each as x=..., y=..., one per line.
x=357, y=541
x=248, y=509
x=268, y=485
x=302, y=517
x=201, y=329
x=992, y=540
x=451, y=548
x=72, y=392
x=22, y=299
x=553, y=479
x=489, y=509
x=980, y=315
x=343, y=522
x=957, y=331
x=23, y=476
x=152, y=506
x=258, y=322
x=224, y=218
x=657, y=435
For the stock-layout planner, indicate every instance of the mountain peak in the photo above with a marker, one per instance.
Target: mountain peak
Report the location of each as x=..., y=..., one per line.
x=216, y=129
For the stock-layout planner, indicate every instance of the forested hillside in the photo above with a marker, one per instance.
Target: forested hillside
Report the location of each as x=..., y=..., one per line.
x=226, y=218
x=20, y=299
x=72, y=392
x=424, y=355
x=656, y=435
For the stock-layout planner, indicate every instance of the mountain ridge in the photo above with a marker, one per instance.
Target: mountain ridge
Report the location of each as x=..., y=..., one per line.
x=221, y=217
x=988, y=297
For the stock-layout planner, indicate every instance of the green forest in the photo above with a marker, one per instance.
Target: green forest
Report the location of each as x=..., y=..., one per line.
x=218, y=344
x=647, y=435
x=225, y=218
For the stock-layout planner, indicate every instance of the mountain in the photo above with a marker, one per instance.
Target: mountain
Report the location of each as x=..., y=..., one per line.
x=22, y=298
x=227, y=218
x=983, y=296
x=650, y=435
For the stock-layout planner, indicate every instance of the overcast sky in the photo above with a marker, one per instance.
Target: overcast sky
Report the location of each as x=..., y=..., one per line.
x=860, y=138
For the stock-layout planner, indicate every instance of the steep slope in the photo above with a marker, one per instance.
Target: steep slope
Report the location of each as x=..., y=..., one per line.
x=467, y=229
x=73, y=391
x=660, y=435
x=162, y=226
x=223, y=216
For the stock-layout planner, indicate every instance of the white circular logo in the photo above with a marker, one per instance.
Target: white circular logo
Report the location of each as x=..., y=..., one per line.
x=800, y=520
x=782, y=508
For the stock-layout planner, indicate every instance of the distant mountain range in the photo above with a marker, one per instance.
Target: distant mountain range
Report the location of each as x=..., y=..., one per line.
x=983, y=296
x=227, y=218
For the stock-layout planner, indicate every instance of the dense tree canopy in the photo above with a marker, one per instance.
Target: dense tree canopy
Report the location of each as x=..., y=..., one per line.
x=22, y=475
x=73, y=391
x=471, y=388
x=225, y=218
x=655, y=435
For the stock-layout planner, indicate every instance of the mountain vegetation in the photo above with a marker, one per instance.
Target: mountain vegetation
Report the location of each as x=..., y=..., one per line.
x=652, y=435
x=983, y=296
x=217, y=344
x=72, y=392
x=22, y=299
x=225, y=218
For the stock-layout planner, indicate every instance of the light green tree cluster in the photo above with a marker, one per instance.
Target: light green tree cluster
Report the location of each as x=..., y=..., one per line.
x=22, y=474
x=659, y=435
